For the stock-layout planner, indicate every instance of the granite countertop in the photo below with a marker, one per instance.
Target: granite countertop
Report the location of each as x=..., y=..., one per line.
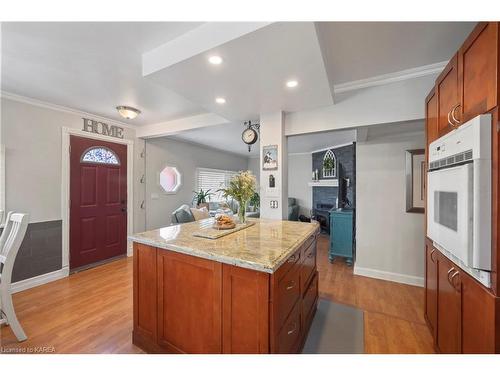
x=264, y=246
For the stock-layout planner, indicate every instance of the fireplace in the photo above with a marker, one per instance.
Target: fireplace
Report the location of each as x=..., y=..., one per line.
x=321, y=213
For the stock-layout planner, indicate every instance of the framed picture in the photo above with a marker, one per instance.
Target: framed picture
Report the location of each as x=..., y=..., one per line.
x=270, y=158
x=415, y=180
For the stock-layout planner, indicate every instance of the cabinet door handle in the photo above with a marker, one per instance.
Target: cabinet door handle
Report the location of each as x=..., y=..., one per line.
x=293, y=329
x=452, y=277
x=449, y=120
x=432, y=259
x=449, y=272
x=455, y=120
x=311, y=254
x=292, y=259
x=290, y=285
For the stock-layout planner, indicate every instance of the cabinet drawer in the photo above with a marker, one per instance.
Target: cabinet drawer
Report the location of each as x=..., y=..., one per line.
x=288, y=293
x=310, y=297
x=308, y=266
x=305, y=247
x=289, y=263
x=288, y=338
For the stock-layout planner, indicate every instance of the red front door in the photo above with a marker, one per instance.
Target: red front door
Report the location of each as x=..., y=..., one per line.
x=98, y=209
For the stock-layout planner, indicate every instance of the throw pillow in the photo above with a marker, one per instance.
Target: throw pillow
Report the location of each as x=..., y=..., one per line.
x=200, y=213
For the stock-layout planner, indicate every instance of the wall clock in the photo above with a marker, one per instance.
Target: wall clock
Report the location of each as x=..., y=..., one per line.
x=250, y=134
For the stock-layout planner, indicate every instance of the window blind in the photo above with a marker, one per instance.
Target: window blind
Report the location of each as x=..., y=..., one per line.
x=214, y=179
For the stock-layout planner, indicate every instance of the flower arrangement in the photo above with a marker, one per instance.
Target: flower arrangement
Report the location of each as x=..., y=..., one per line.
x=241, y=188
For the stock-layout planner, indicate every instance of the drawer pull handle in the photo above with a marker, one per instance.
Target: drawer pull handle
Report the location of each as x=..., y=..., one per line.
x=291, y=259
x=290, y=285
x=310, y=255
x=293, y=329
x=432, y=259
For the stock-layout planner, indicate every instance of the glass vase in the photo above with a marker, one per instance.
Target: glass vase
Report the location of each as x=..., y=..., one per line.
x=241, y=212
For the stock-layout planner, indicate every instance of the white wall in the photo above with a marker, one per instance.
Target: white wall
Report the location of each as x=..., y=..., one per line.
x=32, y=137
x=272, y=132
x=299, y=174
x=389, y=241
x=161, y=152
x=395, y=102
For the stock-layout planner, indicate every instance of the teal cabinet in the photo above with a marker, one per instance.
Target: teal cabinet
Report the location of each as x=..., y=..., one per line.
x=341, y=235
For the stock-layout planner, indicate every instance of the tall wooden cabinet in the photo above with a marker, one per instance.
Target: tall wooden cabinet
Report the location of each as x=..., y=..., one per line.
x=447, y=96
x=431, y=287
x=462, y=314
x=449, y=306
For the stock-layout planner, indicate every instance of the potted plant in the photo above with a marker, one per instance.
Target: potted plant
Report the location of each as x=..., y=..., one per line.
x=201, y=198
x=254, y=203
x=241, y=188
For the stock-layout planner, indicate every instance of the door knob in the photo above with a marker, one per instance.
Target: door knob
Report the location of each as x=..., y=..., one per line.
x=124, y=209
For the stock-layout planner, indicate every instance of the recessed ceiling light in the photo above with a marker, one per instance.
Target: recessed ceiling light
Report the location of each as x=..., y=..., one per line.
x=292, y=83
x=216, y=60
x=128, y=112
x=220, y=100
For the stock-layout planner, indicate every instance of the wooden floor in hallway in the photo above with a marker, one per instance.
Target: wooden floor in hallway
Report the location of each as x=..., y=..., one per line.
x=91, y=311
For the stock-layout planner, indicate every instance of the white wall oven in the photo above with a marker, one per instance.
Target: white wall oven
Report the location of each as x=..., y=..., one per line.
x=459, y=196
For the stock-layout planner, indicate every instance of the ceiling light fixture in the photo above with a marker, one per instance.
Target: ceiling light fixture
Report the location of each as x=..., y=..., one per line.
x=292, y=84
x=128, y=112
x=215, y=60
x=220, y=100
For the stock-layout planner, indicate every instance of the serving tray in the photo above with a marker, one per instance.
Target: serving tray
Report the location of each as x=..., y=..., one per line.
x=212, y=233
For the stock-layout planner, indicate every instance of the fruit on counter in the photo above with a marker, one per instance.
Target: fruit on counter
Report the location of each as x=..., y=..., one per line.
x=224, y=220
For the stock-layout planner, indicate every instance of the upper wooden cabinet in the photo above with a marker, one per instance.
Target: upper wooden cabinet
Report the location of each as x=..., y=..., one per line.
x=431, y=117
x=477, y=71
x=447, y=96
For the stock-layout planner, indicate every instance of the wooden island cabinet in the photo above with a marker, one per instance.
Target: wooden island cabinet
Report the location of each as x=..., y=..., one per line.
x=461, y=313
x=187, y=303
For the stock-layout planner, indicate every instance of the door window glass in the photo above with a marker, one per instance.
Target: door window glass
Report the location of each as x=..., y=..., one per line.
x=101, y=155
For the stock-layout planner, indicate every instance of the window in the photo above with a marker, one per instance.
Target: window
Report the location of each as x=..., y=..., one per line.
x=101, y=155
x=170, y=179
x=214, y=179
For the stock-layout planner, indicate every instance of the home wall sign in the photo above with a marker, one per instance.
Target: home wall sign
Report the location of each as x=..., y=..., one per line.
x=102, y=128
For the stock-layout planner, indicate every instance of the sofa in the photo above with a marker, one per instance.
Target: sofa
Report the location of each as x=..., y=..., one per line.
x=293, y=209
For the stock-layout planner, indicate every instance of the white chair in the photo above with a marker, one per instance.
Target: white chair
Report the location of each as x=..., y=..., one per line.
x=10, y=241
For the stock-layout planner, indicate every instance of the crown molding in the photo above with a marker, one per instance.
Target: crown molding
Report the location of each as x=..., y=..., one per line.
x=384, y=79
x=60, y=108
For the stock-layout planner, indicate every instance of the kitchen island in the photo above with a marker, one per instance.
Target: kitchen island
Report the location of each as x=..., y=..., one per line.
x=252, y=291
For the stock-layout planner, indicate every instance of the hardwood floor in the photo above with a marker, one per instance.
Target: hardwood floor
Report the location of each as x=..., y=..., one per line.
x=91, y=311
x=393, y=312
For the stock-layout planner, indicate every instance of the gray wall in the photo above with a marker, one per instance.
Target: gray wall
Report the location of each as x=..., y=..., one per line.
x=254, y=166
x=346, y=164
x=299, y=176
x=32, y=138
x=389, y=241
x=161, y=152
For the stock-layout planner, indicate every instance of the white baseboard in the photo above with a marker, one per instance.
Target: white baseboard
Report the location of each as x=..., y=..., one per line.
x=389, y=276
x=39, y=280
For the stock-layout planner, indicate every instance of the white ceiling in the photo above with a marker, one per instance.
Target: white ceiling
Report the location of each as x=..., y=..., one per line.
x=227, y=137
x=359, y=50
x=254, y=72
x=94, y=67
x=91, y=67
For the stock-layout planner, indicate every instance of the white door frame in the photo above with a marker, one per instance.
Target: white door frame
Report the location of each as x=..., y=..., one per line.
x=65, y=187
